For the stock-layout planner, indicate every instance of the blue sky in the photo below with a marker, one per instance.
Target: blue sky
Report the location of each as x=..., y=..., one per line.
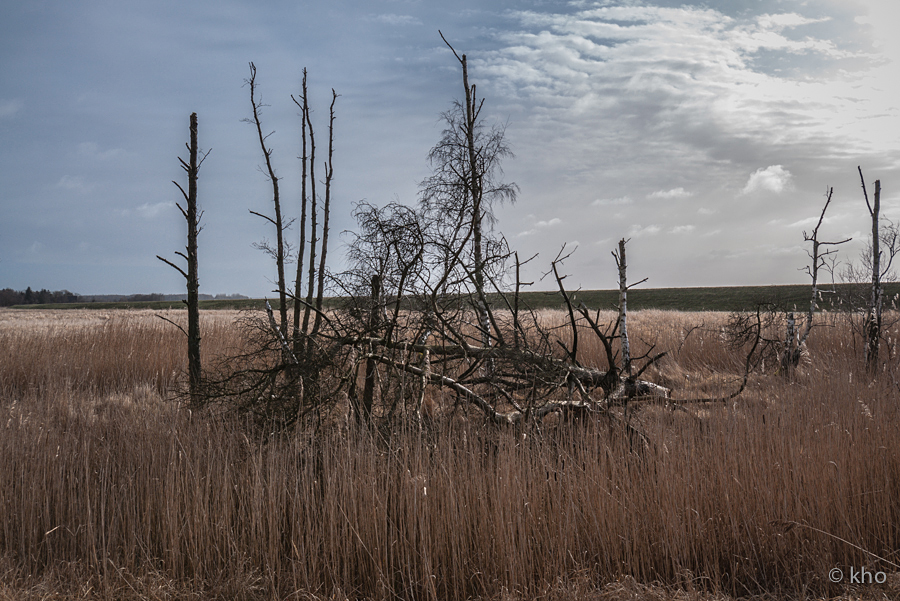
x=707, y=133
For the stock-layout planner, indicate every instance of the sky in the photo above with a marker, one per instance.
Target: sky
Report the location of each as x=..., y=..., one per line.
x=707, y=134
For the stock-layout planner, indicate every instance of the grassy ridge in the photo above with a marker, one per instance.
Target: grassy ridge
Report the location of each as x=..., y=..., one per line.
x=723, y=298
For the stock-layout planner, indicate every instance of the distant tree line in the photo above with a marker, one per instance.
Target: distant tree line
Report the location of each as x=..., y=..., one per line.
x=10, y=297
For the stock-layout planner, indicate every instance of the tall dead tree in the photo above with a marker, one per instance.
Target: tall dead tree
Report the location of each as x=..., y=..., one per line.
x=619, y=256
x=283, y=375
x=466, y=165
x=326, y=212
x=297, y=341
x=312, y=218
x=192, y=217
x=796, y=338
x=774, y=335
x=315, y=284
x=876, y=293
x=880, y=267
x=279, y=251
x=874, y=268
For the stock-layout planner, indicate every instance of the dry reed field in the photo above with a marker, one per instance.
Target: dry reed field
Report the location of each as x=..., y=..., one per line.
x=111, y=490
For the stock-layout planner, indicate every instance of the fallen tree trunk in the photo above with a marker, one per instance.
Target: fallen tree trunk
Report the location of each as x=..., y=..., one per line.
x=644, y=389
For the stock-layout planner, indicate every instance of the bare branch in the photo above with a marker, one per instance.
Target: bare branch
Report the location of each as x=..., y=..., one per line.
x=450, y=47
x=183, y=331
x=279, y=229
x=266, y=217
x=173, y=265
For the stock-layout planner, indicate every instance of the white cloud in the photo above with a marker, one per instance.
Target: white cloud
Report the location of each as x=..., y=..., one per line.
x=766, y=34
x=689, y=73
x=773, y=178
x=539, y=226
x=671, y=194
x=92, y=150
x=784, y=20
x=636, y=231
x=808, y=222
x=682, y=229
x=74, y=183
x=612, y=202
x=149, y=211
x=8, y=108
x=705, y=211
x=391, y=19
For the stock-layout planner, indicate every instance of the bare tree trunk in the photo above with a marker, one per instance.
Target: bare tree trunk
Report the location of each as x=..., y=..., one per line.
x=329, y=174
x=473, y=185
x=473, y=173
x=298, y=342
x=191, y=215
x=794, y=338
x=371, y=362
x=313, y=223
x=193, y=279
x=515, y=309
x=623, y=308
x=791, y=345
x=277, y=222
x=424, y=365
x=477, y=214
x=873, y=311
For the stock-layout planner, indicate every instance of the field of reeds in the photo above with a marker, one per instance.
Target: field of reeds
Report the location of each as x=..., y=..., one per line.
x=109, y=489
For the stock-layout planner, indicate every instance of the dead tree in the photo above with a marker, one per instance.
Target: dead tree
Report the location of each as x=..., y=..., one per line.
x=873, y=311
x=773, y=333
x=278, y=253
x=326, y=211
x=466, y=165
x=407, y=322
x=316, y=276
x=298, y=343
x=874, y=307
x=623, y=304
x=313, y=218
x=386, y=257
x=365, y=413
x=431, y=292
x=427, y=308
x=284, y=372
x=192, y=217
x=820, y=259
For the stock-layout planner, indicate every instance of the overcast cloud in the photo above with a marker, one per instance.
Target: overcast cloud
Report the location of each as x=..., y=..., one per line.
x=707, y=134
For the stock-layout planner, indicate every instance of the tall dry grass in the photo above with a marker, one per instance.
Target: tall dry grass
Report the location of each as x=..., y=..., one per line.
x=108, y=490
